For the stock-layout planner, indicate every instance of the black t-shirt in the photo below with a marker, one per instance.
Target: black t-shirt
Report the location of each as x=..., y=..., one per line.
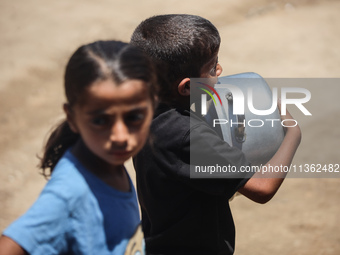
x=181, y=215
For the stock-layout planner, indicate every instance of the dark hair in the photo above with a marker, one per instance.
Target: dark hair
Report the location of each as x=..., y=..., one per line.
x=180, y=44
x=100, y=60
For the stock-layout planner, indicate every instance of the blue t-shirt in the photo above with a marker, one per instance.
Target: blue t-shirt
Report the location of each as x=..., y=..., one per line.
x=77, y=213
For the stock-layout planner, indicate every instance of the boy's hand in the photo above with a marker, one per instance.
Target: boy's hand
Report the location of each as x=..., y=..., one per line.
x=261, y=188
x=288, y=124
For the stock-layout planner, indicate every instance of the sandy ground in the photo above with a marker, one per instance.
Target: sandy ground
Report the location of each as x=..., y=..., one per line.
x=279, y=39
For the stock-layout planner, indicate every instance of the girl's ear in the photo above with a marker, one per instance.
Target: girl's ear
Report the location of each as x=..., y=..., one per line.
x=184, y=87
x=70, y=118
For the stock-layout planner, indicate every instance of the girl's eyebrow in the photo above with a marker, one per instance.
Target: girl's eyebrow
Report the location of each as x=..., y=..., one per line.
x=96, y=112
x=139, y=108
x=103, y=111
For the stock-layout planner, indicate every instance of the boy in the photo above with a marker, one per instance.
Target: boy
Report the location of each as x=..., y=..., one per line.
x=182, y=215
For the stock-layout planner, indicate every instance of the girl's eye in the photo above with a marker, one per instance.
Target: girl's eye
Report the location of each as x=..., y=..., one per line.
x=100, y=121
x=135, y=118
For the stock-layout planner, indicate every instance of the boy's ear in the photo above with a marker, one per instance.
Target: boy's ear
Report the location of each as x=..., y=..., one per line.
x=70, y=117
x=184, y=87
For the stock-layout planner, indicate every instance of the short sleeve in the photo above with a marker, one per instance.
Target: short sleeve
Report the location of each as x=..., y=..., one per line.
x=42, y=229
x=207, y=149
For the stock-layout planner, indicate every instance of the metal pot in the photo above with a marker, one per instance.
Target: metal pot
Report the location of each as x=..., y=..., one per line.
x=258, y=136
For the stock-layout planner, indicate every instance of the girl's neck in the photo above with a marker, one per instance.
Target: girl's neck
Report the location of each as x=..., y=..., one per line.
x=113, y=175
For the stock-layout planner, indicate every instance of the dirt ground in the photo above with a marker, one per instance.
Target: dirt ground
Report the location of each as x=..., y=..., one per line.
x=280, y=39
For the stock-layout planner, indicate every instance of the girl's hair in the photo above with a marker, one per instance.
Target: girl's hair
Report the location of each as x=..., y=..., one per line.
x=97, y=61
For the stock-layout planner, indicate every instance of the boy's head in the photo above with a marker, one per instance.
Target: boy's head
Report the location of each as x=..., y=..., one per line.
x=182, y=46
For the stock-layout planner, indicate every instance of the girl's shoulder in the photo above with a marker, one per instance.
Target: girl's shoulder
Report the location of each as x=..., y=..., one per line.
x=67, y=182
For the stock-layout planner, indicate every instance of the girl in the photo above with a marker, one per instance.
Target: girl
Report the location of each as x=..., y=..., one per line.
x=89, y=205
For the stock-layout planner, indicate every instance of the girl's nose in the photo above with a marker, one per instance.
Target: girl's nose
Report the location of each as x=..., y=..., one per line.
x=119, y=133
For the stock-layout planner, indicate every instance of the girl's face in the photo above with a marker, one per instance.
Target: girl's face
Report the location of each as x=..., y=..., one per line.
x=113, y=121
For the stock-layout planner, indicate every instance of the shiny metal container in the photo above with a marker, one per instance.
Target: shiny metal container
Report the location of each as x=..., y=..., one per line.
x=258, y=136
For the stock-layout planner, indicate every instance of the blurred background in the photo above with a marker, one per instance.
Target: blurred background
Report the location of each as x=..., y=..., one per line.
x=277, y=39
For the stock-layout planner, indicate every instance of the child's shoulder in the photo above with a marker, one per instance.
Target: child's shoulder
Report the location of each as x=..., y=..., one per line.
x=165, y=111
x=170, y=123
x=66, y=181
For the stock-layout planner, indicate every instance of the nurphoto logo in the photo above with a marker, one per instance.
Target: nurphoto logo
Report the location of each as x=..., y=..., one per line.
x=242, y=100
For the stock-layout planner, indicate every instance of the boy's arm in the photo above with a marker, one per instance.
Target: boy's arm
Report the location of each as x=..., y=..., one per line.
x=262, y=187
x=10, y=247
